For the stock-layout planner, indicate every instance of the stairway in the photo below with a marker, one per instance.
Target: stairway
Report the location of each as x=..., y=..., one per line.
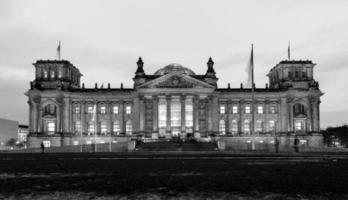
x=176, y=146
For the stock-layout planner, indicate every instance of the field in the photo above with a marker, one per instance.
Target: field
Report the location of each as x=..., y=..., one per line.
x=171, y=175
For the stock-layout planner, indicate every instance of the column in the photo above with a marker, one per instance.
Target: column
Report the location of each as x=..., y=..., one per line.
x=83, y=117
x=315, y=106
x=196, y=114
x=66, y=115
x=169, y=101
x=284, y=115
x=183, y=121
x=136, y=115
x=109, y=114
x=155, y=114
x=141, y=112
x=215, y=115
x=228, y=118
x=241, y=116
x=121, y=111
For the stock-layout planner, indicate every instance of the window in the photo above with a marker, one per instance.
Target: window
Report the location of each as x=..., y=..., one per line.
x=299, y=126
x=128, y=109
x=271, y=125
x=115, y=109
x=162, y=114
x=304, y=74
x=299, y=109
x=222, y=127
x=246, y=126
x=52, y=74
x=90, y=109
x=51, y=127
x=77, y=126
x=258, y=126
x=60, y=73
x=45, y=73
x=259, y=109
x=289, y=75
x=247, y=109
x=91, y=128
x=234, y=126
x=222, y=109
x=103, y=127
x=129, y=128
x=235, y=109
x=77, y=109
x=103, y=109
x=296, y=74
x=189, y=113
x=116, y=127
x=272, y=109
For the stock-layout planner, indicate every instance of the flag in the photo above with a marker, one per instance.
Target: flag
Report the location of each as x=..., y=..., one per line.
x=250, y=69
x=289, y=50
x=58, y=51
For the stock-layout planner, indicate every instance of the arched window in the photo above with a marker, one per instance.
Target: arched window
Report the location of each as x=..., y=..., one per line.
x=222, y=127
x=234, y=127
x=116, y=127
x=103, y=127
x=129, y=128
x=299, y=109
x=50, y=109
x=247, y=126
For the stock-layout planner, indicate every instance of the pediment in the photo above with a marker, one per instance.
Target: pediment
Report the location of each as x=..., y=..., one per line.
x=176, y=80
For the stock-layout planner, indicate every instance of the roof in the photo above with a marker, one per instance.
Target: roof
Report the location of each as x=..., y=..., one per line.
x=174, y=67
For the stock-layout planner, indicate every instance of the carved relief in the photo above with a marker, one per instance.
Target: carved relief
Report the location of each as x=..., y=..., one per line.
x=175, y=82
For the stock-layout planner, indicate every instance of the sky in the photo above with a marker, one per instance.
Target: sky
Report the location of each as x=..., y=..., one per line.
x=105, y=38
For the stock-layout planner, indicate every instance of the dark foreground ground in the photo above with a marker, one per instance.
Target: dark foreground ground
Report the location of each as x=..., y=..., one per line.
x=169, y=175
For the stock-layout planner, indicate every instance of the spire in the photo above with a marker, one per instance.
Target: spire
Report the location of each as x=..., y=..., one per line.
x=140, y=70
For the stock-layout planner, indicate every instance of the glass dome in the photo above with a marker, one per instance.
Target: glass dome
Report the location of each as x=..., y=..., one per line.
x=172, y=68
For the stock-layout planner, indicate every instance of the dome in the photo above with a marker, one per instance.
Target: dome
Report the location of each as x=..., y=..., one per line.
x=172, y=68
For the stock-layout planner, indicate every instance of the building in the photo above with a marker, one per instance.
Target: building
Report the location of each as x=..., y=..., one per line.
x=8, y=130
x=172, y=102
x=23, y=131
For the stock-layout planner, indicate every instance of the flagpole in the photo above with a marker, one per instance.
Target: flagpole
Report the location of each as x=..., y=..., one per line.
x=289, y=50
x=252, y=91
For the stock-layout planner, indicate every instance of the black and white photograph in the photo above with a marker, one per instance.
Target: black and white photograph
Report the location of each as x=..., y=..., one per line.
x=173, y=99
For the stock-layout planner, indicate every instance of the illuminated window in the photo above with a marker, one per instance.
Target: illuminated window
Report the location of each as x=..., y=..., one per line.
x=129, y=128
x=77, y=109
x=45, y=73
x=258, y=126
x=271, y=125
x=103, y=109
x=51, y=127
x=116, y=127
x=272, y=109
x=175, y=113
x=247, y=109
x=77, y=126
x=299, y=126
x=234, y=126
x=246, y=126
x=103, y=127
x=128, y=109
x=222, y=127
x=162, y=114
x=222, y=109
x=234, y=109
x=60, y=73
x=115, y=109
x=91, y=128
x=259, y=109
x=52, y=74
x=90, y=109
x=189, y=114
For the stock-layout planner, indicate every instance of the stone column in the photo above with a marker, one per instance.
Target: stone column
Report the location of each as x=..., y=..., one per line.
x=121, y=113
x=183, y=121
x=169, y=100
x=241, y=116
x=83, y=117
x=109, y=114
x=284, y=115
x=136, y=115
x=66, y=115
x=141, y=113
x=228, y=118
x=196, y=114
x=315, y=106
x=155, y=114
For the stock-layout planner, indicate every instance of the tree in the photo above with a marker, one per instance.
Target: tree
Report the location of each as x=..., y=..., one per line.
x=11, y=142
x=339, y=133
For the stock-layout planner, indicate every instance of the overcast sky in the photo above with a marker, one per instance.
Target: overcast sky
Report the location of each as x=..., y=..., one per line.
x=105, y=38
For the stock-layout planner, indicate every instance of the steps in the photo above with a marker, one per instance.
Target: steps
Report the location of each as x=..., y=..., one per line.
x=176, y=146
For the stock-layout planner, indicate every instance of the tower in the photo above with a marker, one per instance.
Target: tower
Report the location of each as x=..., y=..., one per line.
x=210, y=75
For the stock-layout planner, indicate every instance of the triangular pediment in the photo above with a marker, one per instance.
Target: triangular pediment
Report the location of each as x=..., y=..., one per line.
x=176, y=80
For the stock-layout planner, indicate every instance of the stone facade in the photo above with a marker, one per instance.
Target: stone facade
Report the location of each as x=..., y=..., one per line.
x=173, y=102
